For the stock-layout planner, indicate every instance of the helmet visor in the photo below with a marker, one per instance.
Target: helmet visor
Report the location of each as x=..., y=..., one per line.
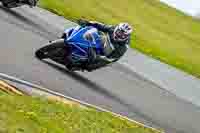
x=120, y=34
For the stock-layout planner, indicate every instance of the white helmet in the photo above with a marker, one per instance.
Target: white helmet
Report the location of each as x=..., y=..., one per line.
x=122, y=32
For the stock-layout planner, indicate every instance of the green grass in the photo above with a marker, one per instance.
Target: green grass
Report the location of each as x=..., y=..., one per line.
x=161, y=32
x=23, y=114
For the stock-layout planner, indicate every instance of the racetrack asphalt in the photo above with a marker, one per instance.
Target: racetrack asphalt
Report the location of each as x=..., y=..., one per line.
x=113, y=88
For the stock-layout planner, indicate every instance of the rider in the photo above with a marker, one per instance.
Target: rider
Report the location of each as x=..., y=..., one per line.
x=118, y=41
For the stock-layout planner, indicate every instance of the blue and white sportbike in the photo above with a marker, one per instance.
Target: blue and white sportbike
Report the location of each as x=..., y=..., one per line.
x=75, y=43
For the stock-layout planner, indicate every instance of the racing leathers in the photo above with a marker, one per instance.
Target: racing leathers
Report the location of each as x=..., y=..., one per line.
x=114, y=49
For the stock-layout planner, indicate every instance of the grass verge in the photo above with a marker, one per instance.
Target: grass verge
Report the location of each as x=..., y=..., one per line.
x=24, y=114
x=161, y=32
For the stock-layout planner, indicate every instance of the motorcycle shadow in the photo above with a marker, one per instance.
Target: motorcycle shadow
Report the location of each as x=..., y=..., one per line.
x=88, y=83
x=76, y=76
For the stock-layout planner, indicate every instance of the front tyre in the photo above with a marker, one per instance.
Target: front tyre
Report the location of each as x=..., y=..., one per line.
x=53, y=50
x=40, y=54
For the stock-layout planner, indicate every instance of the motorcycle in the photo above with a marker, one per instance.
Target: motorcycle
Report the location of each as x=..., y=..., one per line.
x=78, y=42
x=17, y=3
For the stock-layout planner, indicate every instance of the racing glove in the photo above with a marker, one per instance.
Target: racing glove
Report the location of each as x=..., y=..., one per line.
x=82, y=22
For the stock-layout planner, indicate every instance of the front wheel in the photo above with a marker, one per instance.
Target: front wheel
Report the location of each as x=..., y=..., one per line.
x=40, y=54
x=51, y=50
